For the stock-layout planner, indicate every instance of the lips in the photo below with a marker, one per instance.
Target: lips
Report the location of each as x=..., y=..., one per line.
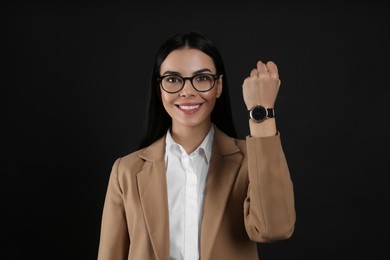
x=189, y=108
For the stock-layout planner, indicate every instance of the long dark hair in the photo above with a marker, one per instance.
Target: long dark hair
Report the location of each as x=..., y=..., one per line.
x=158, y=121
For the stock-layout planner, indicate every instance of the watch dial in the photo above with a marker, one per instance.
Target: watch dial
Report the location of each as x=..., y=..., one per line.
x=259, y=113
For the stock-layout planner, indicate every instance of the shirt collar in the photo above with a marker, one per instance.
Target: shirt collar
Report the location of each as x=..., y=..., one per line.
x=205, y=146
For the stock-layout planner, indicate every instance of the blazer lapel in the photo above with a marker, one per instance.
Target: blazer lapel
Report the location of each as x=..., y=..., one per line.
x=153, y=195
x=223, y=171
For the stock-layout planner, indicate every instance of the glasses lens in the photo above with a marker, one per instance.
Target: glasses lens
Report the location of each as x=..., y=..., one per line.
x=203, y=82
x=172, y=83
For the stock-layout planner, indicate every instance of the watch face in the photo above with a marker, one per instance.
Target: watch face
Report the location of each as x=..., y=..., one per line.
x=258, y=113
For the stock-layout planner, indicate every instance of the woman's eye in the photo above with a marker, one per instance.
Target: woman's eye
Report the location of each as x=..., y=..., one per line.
x=173, y=79
x=202, y=77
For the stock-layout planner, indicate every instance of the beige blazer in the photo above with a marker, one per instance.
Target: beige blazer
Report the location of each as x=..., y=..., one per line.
x=248, y=197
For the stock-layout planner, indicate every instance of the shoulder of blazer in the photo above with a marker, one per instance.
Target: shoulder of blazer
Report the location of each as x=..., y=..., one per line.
x=138, y=160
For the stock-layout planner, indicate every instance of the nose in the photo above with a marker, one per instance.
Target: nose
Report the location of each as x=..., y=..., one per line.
x=188, y=89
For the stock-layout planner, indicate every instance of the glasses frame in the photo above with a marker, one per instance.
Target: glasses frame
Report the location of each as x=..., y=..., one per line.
x=215, y=77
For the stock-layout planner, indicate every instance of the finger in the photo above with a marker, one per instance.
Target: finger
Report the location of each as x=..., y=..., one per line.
x=272, y=69
x=254, y=72
x=261, y=67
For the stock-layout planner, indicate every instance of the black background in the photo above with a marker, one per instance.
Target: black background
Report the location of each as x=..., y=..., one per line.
x=73, y=98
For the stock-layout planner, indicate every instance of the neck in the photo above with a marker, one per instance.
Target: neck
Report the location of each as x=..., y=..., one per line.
x=190, y=137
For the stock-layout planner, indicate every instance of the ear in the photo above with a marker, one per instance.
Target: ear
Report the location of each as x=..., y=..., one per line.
x=219, y=86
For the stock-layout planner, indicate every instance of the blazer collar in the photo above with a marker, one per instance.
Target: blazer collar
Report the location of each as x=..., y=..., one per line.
x=223, y=145
x=224, y=165
x=153, y=195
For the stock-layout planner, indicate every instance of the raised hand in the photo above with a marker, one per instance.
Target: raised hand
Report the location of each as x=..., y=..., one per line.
x=262, y=86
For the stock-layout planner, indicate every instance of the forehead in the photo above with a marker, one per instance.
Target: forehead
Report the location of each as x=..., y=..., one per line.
x=187, y=61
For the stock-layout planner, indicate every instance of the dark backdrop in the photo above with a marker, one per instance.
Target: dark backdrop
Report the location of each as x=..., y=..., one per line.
x=74, y=82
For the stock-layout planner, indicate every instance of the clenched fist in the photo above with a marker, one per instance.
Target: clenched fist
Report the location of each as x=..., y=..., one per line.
x=262, y=86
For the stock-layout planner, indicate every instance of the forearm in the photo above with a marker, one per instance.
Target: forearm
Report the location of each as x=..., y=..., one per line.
x=269, y=207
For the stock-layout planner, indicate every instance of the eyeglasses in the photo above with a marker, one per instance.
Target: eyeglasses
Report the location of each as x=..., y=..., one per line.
x=201, y=82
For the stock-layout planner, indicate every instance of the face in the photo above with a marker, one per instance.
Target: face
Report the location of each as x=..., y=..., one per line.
x=188, y=107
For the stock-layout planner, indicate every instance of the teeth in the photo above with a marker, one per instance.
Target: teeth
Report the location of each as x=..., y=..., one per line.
x=189, y=107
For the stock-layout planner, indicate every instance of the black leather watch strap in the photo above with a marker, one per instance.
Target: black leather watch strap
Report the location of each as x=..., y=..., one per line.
x=270, y=113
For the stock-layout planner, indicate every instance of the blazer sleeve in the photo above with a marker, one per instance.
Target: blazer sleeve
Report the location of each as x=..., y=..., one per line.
x=114, y=237
x=269, y=206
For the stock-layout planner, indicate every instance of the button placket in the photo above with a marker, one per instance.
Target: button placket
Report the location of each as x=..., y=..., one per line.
x=191, y=209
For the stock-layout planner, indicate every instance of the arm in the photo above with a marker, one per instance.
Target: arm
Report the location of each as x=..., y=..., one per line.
x=269, y=206
x=114, y=238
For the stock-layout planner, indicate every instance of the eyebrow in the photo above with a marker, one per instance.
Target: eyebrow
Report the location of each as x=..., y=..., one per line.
x=194, y=73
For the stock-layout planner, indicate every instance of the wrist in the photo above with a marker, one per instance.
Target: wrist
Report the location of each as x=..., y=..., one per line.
x=264, y=129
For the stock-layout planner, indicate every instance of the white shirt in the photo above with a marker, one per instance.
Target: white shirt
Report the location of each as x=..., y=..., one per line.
x=186, y=181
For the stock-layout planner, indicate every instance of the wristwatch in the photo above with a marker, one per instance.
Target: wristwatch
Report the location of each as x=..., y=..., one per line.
x=259, y=113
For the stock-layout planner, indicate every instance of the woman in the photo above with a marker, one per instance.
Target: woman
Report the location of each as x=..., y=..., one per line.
x=193, y=190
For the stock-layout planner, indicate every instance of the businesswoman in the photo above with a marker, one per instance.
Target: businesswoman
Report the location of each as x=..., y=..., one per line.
x=193, y=190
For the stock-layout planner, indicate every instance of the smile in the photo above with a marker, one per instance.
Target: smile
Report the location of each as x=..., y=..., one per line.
x=189, y=107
